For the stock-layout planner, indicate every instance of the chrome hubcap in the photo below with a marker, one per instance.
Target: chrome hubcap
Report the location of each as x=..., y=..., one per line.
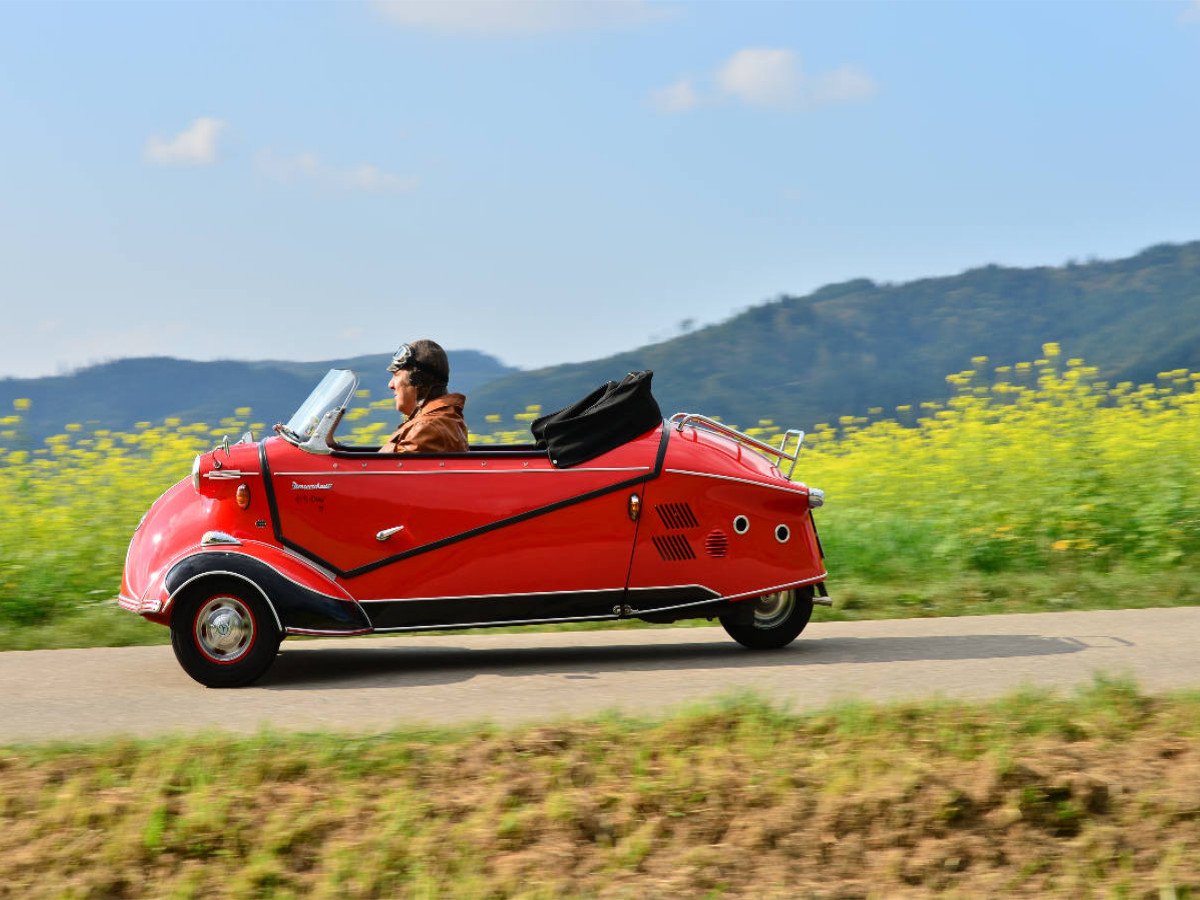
x=224, y=629
x=772, y=609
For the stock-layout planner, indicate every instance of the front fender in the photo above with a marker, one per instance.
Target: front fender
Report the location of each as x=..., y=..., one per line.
x=302, y=599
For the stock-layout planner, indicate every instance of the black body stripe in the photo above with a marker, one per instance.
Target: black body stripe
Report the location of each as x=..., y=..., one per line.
x=515, y=608
x=664, y=440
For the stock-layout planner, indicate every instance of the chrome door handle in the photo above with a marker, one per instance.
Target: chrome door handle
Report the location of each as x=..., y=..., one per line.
x=388, y=532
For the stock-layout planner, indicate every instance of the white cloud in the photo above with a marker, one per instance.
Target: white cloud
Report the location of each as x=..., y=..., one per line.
x=770, y=78
x=363, y=177
x=678, y=97
x=512, y=17
x=761, y=76
x=196, y=145
x=370, y=178
x=845, y=84
x=1192, y=13
x=306, y=165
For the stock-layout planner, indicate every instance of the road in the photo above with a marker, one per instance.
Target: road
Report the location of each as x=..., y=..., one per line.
x=374, y=684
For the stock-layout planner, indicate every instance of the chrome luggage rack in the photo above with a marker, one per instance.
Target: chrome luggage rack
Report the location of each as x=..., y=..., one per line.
x=698, y=421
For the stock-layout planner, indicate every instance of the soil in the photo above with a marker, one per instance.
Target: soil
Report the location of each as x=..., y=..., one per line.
x=1102, y=802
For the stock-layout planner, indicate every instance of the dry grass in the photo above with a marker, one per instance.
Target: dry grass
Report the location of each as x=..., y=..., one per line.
x=1033, y=796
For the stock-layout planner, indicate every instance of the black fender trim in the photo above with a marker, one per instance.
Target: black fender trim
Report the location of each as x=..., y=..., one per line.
x=297, y=608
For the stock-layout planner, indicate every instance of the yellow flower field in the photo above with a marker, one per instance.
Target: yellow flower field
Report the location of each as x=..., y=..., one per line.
x=1032, y=466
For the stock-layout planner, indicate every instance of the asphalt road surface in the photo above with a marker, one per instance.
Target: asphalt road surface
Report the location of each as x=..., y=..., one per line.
x=374, y=684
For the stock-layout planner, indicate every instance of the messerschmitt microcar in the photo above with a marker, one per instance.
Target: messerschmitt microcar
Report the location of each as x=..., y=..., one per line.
x=612, y=513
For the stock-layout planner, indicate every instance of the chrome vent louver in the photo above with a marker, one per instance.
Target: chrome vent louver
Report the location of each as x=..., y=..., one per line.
x=676, y=515
x=674, y=547
x=717, y=543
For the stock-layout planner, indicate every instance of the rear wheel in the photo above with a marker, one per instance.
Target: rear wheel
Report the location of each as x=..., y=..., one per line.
x=776, y=621
x=224, y=634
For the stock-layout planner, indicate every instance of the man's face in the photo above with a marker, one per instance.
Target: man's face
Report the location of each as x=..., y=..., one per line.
x=406, y=394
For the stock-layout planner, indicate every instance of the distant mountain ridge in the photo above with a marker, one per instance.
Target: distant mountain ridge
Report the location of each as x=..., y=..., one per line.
x=848, y=347
x=797, y=360
x=118, y=394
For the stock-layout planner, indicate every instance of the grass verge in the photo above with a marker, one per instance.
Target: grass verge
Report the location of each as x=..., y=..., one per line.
x=1092, y=795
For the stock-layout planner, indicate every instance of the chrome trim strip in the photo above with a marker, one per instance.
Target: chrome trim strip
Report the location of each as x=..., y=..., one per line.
x=128, y=603
x=675, y=587
x=479, y=471
x=219, y=539
x=601, y=618
x=171, y=599
x=774, y=487
x=227, y=474
x=501, y=596
x=639, y=612
x=778, y=587
x=325, y=633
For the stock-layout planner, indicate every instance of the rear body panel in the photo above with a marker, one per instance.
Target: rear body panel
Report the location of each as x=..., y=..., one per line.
x=691, y=533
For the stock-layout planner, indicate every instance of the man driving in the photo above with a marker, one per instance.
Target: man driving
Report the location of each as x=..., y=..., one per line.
x=434, y=418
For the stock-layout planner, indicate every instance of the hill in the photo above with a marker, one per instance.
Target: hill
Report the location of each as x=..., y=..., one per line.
x=798, y=360
x=118, y=394
x=851, y=346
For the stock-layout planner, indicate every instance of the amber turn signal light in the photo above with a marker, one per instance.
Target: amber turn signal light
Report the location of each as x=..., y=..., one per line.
x=243, y=496
x=635, y=506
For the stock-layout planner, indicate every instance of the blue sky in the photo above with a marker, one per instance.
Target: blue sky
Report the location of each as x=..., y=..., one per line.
x=551, y=182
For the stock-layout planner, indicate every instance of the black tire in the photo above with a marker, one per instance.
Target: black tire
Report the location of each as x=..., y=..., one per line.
x=223, y=633
x=777, y=619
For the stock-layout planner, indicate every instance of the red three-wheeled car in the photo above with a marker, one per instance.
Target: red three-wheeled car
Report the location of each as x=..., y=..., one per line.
x=299, y=534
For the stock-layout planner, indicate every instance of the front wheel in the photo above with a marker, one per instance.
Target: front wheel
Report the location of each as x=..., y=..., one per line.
x=224, y=634
x=777, y=619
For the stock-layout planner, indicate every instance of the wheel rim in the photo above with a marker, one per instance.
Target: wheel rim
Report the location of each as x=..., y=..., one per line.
x=224, y=629
x=773, y=609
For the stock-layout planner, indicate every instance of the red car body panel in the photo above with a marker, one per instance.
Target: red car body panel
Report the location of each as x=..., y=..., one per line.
x=334, y=508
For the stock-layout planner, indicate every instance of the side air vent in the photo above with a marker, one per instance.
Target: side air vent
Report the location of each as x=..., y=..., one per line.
x=673, y=547
x=676, y=515
x=717, y=543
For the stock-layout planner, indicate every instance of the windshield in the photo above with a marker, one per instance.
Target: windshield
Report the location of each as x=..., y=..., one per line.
x=332, y=393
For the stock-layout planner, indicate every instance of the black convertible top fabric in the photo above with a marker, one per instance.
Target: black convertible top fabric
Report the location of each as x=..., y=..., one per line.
x=608, y=417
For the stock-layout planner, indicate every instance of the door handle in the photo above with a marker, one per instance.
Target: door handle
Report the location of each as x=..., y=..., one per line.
x=388, y=532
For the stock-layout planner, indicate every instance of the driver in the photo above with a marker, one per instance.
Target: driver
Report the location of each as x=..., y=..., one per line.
x=434, y=423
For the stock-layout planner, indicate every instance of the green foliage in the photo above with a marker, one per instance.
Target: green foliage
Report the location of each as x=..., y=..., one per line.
x=1037, y=475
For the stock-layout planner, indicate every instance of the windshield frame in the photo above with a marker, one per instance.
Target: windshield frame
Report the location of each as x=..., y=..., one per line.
x=311, y=427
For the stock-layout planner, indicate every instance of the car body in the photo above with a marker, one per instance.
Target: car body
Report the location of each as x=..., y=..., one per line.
x=298, y=534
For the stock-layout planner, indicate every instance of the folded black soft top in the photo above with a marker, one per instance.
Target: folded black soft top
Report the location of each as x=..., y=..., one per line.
x=608, y=417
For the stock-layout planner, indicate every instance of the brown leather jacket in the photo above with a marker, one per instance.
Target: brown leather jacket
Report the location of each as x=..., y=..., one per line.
x=437, y=427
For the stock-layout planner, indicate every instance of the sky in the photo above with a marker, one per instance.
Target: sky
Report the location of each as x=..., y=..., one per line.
x=557, y=181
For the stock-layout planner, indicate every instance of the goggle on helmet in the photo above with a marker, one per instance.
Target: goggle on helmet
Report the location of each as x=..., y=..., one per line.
x=404, y=358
